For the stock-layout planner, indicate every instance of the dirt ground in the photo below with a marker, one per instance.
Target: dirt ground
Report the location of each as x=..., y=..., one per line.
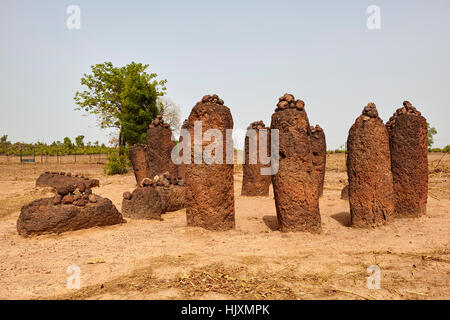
x=167, y=260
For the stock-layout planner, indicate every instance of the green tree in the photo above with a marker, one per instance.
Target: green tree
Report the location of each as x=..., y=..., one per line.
x=4, y=139
x=68, y=143
x=79, y=141
x=123, y=98
x=431, y=132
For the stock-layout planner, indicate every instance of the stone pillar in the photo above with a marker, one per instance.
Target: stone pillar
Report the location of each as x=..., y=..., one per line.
x=296, y=200
x=319, y=155
x=160, y=145
x=209, y=187
x=407, y=130
x=253, y=183
x=139, y=160
x=371, y=191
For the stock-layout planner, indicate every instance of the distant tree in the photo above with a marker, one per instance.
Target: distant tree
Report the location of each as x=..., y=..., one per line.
x=170, y=112
x=4, y=139
x=431, y=132
x=123, y=98
x=68, y=143
x=79, y=141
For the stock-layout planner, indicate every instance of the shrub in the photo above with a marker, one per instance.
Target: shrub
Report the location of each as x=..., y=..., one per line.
x=116, y=164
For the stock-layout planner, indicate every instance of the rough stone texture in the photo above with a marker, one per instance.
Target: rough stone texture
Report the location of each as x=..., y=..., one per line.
x=154, y=158
x=296, y=198
x=319, y=155
x=162, y=194
x=371, y=191
x=173, y=197
x=140, y=162
x=145, y=203
x=209, y=188
x=253, y=183
x=43, y=216
x=407, y=130
x=344, y=193
x=160, y=145
x=58, y=180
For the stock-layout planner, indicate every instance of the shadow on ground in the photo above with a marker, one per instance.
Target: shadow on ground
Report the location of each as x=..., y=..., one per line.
x=343, y=218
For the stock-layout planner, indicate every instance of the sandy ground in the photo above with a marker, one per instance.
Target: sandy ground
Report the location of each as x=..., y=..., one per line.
x=167, y=260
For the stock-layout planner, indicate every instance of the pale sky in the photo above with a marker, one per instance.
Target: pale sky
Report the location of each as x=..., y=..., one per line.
x=248, y=52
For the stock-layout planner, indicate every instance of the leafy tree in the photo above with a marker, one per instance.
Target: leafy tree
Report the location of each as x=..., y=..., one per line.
x=431, y=132
x=4, y=139
x=79, y=141
x=68, y=143
x=123, y=98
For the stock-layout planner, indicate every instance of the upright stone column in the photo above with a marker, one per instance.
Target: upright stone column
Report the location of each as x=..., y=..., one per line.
x=296, y=197
x=407, y=130
x=160, y=145
x=253, y=183
x=139, y=160
x=209, y=187
x=371, y=191
x=319, y=153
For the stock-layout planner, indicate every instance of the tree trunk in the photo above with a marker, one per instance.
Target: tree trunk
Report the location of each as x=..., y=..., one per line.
x=120, y=143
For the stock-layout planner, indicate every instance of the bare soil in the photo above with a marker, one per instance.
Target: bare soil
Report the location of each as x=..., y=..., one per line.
x=167, y=260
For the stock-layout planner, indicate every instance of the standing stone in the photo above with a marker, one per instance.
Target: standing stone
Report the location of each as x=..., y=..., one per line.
x=296, y=197
x=371, y=191
x=319, y=153
x=160, y=145
x=407, y=130
x=140, y=162
x=253, y=183
x=209, y=187
x=154, y=157
x=182, y=167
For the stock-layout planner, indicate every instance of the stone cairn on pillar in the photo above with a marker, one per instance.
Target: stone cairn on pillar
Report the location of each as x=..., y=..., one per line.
x=371, y=192
x=296, y=201
x=408, y=141
x=319, y=152
x=154, y=158
x=254, y=183
x=164, y=193
x=73, y=207
x=209, y=187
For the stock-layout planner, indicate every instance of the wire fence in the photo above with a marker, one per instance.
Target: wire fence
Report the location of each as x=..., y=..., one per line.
x=99, y=158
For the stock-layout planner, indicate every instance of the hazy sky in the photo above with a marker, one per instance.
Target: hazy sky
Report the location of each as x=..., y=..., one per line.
x=248, y=52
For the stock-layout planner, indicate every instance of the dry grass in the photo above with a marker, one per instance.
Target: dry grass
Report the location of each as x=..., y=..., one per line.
x=404, y=276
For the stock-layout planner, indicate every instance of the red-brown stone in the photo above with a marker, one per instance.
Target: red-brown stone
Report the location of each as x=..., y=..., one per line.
x=296, y=194
x=43, y=216
x=209, y=187
x=319, y=155
x=371, y=191
x=139, y=160
x=253, y=182
x=407, y=130
x=56, y=180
